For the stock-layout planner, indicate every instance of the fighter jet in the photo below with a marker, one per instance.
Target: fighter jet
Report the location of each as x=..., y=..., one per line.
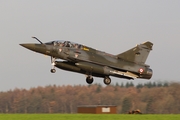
x=82, y=59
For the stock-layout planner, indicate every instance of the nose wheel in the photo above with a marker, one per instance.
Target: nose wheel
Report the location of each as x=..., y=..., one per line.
x=53, y=70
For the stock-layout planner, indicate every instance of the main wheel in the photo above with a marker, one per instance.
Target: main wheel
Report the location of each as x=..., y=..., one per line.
x=107, y=80
x=89, y=80
x=53, y=70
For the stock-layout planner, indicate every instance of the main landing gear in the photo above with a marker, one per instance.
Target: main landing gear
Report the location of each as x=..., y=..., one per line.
x=107, y=80
x=89, y=80
x=53, y=70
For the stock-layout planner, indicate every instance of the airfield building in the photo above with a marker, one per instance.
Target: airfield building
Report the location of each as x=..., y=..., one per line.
x=97, y=109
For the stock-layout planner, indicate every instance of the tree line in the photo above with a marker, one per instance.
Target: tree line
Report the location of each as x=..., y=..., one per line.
x=149, y=98
x=140, y=85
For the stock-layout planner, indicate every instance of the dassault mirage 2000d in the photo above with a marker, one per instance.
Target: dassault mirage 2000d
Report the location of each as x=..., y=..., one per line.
x=91, y=62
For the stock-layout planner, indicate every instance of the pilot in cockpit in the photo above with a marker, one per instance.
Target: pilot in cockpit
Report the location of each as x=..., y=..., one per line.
x=61, y=44
x=67, y=44
x=76, y=45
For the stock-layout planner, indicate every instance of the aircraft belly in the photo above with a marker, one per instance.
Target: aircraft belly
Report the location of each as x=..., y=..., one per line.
x=104, y=70
x=93, y=68
x=68, y=66
x=73, y=68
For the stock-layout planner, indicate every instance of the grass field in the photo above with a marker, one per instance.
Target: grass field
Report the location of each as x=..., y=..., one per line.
x=88, y=117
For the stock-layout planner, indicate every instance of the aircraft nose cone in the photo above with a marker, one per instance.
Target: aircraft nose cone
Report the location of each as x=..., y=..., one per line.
x=29, y=46
x=40, y=48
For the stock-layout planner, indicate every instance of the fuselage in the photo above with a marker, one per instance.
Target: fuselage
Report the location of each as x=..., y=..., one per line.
x=86, y=60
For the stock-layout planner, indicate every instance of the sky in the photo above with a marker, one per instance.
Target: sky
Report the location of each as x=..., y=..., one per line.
x=113, y=26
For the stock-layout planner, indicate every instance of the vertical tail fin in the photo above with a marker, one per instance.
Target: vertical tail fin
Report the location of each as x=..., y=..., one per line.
x=137, y=54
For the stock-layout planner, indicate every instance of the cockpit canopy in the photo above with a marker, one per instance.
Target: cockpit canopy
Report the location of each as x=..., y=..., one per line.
x=62, y=43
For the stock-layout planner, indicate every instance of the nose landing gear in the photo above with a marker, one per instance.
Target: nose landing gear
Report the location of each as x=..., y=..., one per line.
x=53, y=70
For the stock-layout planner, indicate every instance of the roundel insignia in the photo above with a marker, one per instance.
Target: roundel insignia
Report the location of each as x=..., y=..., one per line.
x=141, y=70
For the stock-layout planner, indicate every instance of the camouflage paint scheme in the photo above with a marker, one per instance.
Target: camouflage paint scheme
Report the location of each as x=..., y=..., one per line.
x=86, y=60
